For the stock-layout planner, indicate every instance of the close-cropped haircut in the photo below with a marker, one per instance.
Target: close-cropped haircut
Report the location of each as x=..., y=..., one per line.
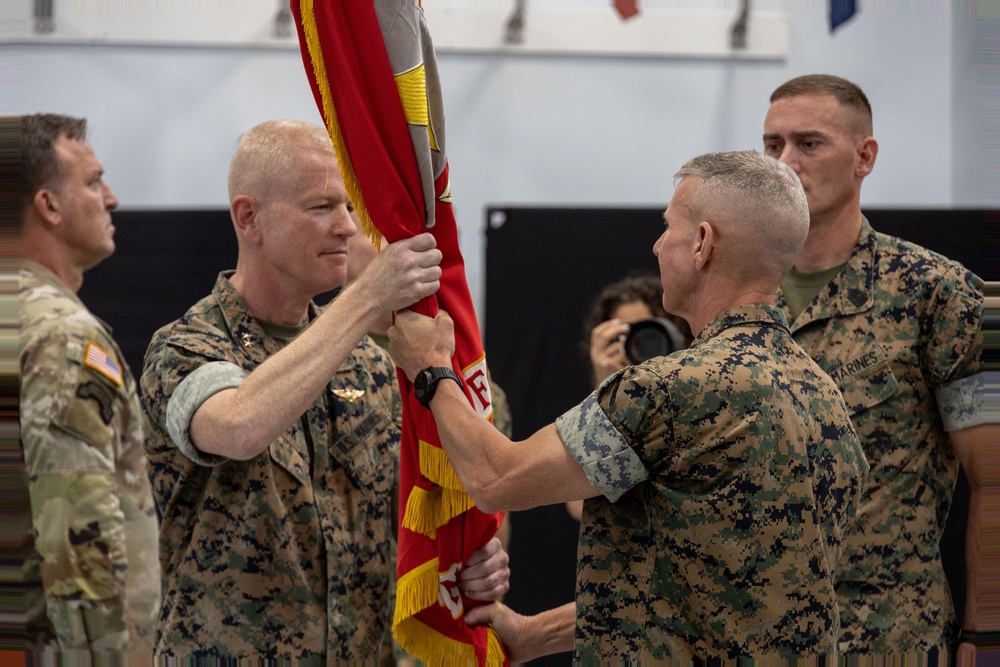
x=760, y=194
x=40, y=167
x=846, y=92
x=266, y=151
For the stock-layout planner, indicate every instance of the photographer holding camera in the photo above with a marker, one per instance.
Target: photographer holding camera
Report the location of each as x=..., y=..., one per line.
x=616, y=309
x=627, y=325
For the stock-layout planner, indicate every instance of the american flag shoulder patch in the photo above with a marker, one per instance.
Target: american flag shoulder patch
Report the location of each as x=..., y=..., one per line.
x=102, y=362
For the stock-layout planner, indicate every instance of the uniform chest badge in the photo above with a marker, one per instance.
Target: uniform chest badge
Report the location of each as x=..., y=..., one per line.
x=349, y=395
x=98, y=358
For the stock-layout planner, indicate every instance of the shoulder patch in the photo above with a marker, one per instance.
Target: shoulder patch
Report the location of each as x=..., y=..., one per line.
x=102, y=394
x=98, y=358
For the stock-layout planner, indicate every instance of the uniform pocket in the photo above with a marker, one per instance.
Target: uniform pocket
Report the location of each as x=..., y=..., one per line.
x=285, y=453
x=365, y=435
x=865, y=380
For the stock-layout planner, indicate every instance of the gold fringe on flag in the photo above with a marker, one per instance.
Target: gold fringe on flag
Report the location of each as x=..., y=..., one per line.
x=428, y=509
x=415, y=591
x=333, y=127
x=435, y=466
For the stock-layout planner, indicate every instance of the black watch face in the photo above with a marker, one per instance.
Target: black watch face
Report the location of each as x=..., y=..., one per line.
x=420, y=385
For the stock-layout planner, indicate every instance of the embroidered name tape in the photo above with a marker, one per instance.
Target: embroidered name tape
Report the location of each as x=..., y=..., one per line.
x=102, y=362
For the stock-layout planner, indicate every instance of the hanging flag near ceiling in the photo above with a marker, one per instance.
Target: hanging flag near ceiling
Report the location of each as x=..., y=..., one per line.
x=626, y=8
x=373, y=73
x=841, y=11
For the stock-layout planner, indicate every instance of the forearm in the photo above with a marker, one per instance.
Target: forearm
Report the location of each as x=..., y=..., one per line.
x=551, y=631
x=499, y=474
x=242, y=422
x=982, y=555
x=477, y=451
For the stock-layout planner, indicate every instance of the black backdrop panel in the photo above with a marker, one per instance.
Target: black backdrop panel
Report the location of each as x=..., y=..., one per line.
x=164, y=261
x=544, y=266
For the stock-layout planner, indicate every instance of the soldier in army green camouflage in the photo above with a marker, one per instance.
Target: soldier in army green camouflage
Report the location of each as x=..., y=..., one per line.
x=720, y=480
x=273, y=425
x=900, y=330
x=92, y=571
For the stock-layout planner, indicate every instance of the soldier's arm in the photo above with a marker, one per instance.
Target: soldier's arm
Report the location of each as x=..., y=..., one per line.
x=956, y=350
x=241, y=422
x=76, y=511
x=498, y=474
x=984, y=489
x=529, y=637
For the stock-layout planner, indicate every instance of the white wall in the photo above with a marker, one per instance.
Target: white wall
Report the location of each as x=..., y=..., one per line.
x=541, y=130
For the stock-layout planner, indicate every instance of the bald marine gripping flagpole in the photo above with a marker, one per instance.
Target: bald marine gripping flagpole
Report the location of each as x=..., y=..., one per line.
x=374, y=75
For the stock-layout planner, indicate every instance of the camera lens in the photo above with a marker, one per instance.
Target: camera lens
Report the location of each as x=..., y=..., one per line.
x=655, y=337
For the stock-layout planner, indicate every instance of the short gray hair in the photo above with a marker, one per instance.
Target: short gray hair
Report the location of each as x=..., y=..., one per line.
x=265, y=154
x=756, y=197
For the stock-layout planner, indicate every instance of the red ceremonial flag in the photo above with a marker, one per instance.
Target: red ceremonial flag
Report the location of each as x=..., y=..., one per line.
x=373, y=73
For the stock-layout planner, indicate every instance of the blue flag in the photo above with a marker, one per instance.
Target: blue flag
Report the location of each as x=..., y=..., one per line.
x=840, y=11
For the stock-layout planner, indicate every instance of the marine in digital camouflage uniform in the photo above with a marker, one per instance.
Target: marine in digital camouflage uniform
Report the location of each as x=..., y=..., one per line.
x=287, y=554
x=899, y=330
x=730, y=472
x=92, y=511
x=719, y=481
x=273, y=426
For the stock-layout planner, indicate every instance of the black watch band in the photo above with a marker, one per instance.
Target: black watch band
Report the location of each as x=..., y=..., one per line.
x=425, y=384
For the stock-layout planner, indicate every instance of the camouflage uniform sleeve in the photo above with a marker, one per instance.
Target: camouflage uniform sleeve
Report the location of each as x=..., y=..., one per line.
x=610, y=464
x=200, y=385
x=953, y=354
x=70, y=452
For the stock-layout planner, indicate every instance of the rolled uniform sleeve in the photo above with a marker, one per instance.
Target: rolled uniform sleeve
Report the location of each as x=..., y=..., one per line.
x=961, y=402
x=953, y=355
x=200, y=385
x=70, y=449
x=605, y=456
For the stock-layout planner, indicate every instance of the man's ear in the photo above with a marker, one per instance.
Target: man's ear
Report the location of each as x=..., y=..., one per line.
x=47, y=206
x=867, y=152
x=704, y=244
x=244, y=210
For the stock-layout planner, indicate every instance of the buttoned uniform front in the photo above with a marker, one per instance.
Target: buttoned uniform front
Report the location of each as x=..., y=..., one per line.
x=92, y=576
x=286, y=554
x=730, y=473
x=899, y=330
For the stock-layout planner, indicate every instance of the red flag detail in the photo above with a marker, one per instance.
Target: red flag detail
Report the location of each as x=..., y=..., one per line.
x=380, y=98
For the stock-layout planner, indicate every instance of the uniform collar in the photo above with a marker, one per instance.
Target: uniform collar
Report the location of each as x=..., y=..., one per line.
x=48, y=276
x=247, y=334
x=850, y=291
x=741, y=315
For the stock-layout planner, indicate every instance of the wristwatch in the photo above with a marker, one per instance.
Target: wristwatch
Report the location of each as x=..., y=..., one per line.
x=425, y=384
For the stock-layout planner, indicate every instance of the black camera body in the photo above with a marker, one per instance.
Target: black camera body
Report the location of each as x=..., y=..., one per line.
x=655, y=337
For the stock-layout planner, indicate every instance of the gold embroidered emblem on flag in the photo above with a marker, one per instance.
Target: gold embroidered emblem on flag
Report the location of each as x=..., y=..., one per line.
x=102, y=362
